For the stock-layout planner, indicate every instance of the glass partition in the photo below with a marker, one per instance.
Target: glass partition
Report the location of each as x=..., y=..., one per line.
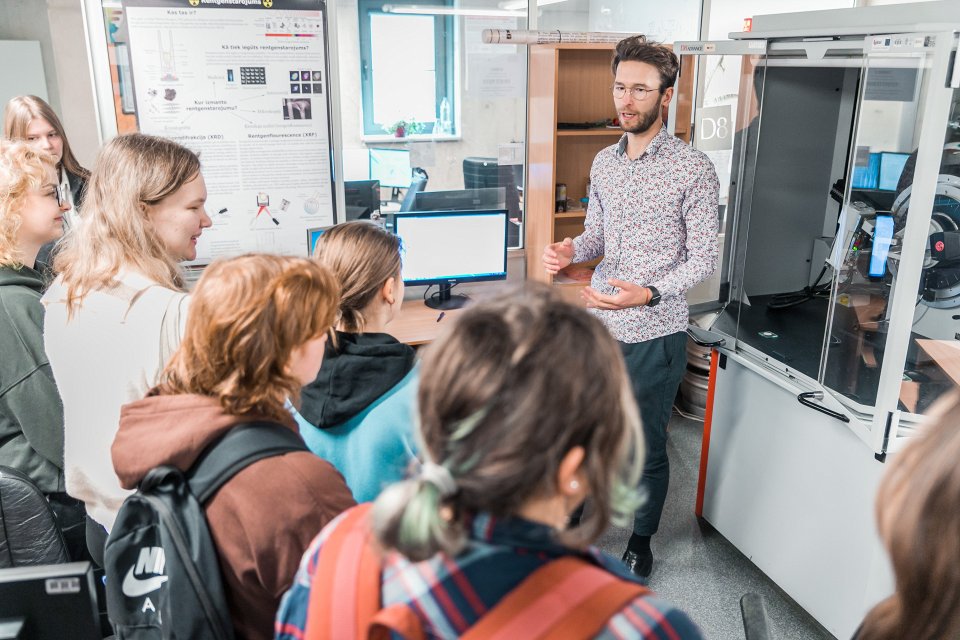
x=932, y=367
x=726, y=105
x=869, y=249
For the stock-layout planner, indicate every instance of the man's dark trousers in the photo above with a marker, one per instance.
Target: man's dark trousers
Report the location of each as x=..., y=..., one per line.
x=655, y=367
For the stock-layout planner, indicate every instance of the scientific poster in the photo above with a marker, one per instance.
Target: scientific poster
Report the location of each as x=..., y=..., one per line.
x=244, y=84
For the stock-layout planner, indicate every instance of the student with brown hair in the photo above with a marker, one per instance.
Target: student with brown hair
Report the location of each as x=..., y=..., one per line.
x=32, y=120
x=116, y=311
x=255, y=335
x=358, y=413
x=31, y=416
x=510, y=449
x=918, y=516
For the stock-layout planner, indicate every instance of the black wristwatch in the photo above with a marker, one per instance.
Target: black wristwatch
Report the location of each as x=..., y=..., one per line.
x=654, y=297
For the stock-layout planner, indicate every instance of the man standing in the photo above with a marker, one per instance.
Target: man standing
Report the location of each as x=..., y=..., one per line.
x=652, y=215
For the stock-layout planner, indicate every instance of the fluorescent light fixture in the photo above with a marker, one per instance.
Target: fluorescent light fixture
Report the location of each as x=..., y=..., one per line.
x=427, y=10
x=514, y=5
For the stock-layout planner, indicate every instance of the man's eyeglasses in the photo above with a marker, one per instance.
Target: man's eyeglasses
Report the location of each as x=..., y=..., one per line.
x=638, y=93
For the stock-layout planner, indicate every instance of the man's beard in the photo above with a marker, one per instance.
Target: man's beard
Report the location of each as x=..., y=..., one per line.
x=645, y=120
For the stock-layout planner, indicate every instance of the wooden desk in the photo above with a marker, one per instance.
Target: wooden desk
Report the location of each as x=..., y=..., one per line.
x=946, y=353
x=418, y=324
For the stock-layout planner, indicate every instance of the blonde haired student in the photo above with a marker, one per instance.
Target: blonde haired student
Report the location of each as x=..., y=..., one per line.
x=255, y=335
x=32, y=207
x=116, y=311
x=359, y=412
x=510, y=450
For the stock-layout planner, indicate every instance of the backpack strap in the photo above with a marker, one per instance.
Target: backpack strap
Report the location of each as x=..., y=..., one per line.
x=237, y=449
x=566, y=598
x=345, y=590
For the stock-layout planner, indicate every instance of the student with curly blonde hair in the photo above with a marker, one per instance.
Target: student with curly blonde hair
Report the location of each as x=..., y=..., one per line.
x=115, y=313
x=31, y=417
x=255, y=335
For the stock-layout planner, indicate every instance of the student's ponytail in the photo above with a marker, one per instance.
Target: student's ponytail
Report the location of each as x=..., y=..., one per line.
x=416, y=516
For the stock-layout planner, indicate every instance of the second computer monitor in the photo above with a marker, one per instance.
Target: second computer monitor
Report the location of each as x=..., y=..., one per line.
x=391, y=167
x=361, y=198
x=461, y=200
x=450, y=247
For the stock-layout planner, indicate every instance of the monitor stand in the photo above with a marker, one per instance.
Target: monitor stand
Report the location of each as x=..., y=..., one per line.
x=446, y=300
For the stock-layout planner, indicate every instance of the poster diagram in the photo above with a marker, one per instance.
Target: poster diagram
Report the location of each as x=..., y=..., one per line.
x=245, y=87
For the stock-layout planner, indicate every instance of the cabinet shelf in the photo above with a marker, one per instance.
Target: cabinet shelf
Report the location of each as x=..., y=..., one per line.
x=563, y=133
x=571, y=83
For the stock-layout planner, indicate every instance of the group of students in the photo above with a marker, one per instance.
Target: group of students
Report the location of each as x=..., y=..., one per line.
x=474, y=456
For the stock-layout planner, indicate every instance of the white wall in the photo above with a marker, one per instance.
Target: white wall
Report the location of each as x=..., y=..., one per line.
x=661, y=21
x=73, y=82
x=58, y=26
x=726, y=16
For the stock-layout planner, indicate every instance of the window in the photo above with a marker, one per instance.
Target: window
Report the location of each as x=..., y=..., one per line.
x=406, y=69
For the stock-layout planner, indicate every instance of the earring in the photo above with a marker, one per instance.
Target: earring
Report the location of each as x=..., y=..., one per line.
x=574, y=485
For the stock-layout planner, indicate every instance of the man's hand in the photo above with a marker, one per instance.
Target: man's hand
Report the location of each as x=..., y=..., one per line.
x=558, y=255
x=629, y=295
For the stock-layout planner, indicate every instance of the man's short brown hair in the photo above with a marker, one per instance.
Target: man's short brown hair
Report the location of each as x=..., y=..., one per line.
x=637, y=49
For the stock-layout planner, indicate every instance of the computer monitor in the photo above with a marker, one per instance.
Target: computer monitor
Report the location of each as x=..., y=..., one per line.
x=891, y=166
x=461, y=200
x=391, y=167
x=449, y=247
x=867, y=176
x=361, y=199
x=312, y=236
x=50, y=602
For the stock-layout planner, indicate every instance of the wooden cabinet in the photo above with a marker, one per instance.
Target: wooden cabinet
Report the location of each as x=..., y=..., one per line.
x=568, y=83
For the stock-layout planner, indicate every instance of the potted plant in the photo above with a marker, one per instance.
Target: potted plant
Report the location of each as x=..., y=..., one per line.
x=402, y=128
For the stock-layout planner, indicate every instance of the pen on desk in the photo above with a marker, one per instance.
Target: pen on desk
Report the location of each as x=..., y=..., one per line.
x=440, y=317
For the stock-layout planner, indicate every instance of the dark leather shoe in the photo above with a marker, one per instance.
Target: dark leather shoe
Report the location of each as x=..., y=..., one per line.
x=640, y=564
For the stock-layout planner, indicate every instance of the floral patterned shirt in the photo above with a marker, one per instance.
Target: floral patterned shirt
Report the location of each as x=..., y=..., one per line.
x=654, y=220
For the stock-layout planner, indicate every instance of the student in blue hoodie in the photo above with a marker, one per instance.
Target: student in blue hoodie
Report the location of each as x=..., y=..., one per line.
x=358, y=413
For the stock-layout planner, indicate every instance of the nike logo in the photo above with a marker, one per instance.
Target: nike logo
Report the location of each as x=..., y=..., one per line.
x=134, y=587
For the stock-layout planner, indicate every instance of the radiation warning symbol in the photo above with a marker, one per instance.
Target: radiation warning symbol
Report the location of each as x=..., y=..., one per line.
x=194, y=3
x=268, y=3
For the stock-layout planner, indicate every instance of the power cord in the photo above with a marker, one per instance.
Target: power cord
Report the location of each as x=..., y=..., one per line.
x=794, y=298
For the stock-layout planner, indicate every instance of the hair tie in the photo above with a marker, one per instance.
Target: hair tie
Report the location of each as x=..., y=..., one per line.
x=440, y=477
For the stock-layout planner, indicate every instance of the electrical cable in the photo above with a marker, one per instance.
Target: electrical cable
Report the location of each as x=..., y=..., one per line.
x=794, y=298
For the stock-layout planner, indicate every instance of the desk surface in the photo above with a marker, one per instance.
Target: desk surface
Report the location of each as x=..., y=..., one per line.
x=417, y=323
x=946, y=353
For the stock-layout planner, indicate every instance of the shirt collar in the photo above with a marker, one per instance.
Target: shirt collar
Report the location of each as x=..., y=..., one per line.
x=652, y=148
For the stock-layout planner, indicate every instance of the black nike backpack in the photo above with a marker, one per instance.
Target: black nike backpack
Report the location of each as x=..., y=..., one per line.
x=162, y=570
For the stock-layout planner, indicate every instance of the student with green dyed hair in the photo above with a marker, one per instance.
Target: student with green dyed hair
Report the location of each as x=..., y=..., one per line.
x=512, y=442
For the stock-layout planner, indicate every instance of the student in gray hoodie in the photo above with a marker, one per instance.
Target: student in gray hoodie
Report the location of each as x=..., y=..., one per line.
x=32, y=205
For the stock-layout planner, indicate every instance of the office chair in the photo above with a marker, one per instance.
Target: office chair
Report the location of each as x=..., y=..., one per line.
x=479, y=173
x=28, y=530
x=418, y=185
